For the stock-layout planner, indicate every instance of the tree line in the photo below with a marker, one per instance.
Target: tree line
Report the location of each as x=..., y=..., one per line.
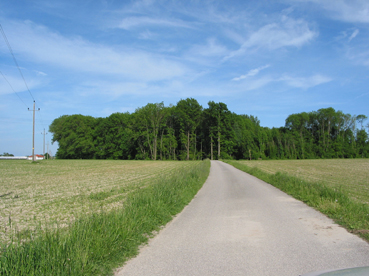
x=7, y=154
x=187, y=131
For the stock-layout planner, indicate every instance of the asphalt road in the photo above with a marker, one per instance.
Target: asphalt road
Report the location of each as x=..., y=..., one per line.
x=240, y=225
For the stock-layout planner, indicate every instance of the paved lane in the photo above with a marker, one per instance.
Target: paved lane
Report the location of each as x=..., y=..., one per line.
x=240, y=225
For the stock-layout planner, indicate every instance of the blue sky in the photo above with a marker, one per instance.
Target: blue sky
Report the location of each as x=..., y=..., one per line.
x=264, y=58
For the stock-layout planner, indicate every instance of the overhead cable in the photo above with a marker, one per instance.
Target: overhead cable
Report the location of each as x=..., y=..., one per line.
x=15, y=61
x=13, y=88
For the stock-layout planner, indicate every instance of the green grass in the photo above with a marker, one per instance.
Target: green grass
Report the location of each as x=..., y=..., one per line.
x=95, y=244
x=335, y=202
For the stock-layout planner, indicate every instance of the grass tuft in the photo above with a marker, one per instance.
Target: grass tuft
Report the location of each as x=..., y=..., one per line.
x=98, y=243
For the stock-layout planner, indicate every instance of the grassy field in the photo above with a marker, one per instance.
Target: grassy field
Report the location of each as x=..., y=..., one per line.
x=352, y=175
x=116, y=207
x=55, y=192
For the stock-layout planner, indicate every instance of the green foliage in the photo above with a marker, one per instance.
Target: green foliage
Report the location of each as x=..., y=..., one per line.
x=217, y=126
x=74, y=134
x=187, y=131
x=96, y=244
x=188, y=115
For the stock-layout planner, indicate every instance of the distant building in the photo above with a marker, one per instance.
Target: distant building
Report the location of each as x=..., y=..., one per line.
x=37, y=157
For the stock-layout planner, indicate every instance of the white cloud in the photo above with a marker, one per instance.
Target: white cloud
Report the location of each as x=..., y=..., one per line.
x=112, y=89
x=359, y=55
x=40, y=73
x=146, y=35
x=305, y=82
x=287, y=33
x=254, y=84
x=297, y=82
x=207, y=54
x=12, y=83
x=40, y=45
x=210, y=49
x=354, y=34
x=348, y=10
x=251, y=73
x=132, y=22
x=344, y=10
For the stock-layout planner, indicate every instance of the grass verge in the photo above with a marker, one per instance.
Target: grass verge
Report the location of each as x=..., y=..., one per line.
x=96, y=244
x=335, y=203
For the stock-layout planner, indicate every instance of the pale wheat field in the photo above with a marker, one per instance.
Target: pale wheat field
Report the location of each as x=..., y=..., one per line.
x=54, y=192
x=350, y=174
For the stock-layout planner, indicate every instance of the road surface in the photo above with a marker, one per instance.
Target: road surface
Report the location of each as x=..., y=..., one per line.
x=240, y=225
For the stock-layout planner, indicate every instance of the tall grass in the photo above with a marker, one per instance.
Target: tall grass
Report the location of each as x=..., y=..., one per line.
x=96, y=244
x=335, y=203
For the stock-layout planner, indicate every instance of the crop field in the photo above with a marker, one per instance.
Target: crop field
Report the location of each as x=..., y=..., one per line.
x=352, y=175
x=54, y=192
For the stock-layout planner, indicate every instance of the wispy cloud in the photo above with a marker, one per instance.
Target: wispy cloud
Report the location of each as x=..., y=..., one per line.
x=305, y=82
x=353, y=35
x=256, y=83
x=344, y=10
x=359, y=55
x=10, y=83
x=211, y=48
x=291, y=81
x=348, y=10
x=40, y=73
x=39, y=44
x=132, y=22
x=251, y=73
x=207, y=54
x=286, y=33
x=146, y=35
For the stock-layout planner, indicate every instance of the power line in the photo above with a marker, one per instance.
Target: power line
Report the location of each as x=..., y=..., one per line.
x=15, y=61
x=34, y=102
x=13, y=88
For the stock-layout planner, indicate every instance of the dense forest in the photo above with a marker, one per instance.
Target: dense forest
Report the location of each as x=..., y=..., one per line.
x=188, y=131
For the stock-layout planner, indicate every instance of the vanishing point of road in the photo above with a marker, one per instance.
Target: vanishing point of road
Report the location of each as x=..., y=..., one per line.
x=240, y=225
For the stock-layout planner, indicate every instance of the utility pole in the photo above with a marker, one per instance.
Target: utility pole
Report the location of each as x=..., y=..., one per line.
x=44, y=133
x=33, y=133
x=48, y=153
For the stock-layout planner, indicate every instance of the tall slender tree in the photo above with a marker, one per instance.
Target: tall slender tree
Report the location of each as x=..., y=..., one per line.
x=188, y=115
x=149, y=120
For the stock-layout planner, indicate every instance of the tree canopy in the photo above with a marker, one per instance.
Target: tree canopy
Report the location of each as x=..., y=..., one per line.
x=188, y=131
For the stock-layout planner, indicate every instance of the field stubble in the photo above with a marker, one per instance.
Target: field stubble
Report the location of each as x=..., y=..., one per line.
x=55, y=192
x=351, y=175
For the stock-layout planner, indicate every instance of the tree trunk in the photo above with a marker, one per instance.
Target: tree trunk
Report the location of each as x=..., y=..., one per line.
x=161, y=145
x=194, y=155
x=211, y=148
x=148, y=142
x=201, y=152
x=188, y=145
x=155, y=146
x=170, y=149
x=302, y=145
x=218, y=145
